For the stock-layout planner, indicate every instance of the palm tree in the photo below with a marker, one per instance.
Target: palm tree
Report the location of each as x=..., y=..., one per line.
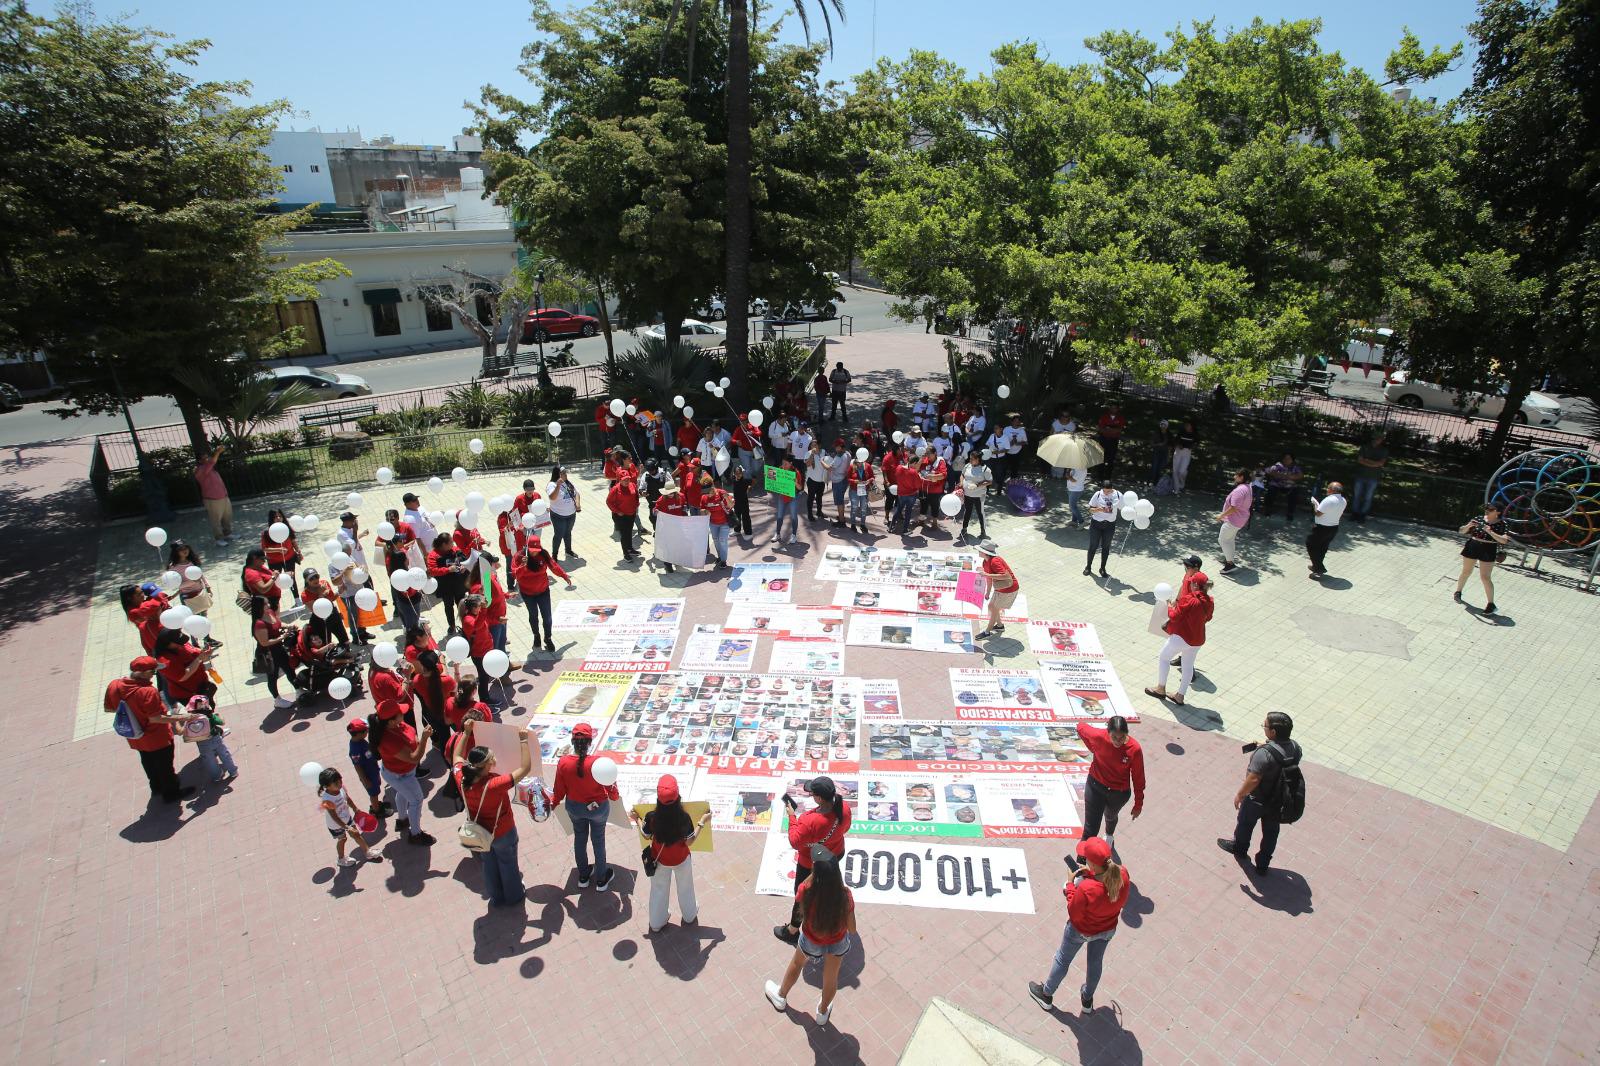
x=736, y=226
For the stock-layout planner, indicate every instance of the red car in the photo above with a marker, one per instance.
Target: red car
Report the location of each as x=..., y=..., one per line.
x=554, y=322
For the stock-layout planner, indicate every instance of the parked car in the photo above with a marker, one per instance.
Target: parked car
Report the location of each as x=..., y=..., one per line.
x=806, y=309
x=695, y=332
x=554, y=322
x=1537, y=410
x=10, y=398
x=712, y=309
x=323, y=385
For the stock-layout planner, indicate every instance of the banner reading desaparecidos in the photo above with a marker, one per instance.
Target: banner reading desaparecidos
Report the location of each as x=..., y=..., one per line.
x=632, y=649
x=1078, y=640
x=584, y=692
x=915, y=874
x=1085, y=690
x=597, y=614
x=976, y=747
x=952, y=805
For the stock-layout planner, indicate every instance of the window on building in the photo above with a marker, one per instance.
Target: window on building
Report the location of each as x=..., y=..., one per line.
x=288, y=168
x=315, y=169
x=438, y=318
x=385, y=319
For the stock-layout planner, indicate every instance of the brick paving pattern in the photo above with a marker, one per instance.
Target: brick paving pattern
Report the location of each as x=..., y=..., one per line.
x=1439, y=902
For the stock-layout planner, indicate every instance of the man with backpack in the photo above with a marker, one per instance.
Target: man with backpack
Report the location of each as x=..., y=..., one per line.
x=1273, y=792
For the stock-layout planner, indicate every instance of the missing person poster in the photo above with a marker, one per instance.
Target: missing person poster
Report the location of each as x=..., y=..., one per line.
x=880, y=697
x=976, y=747
x=682, y=540
x=632, y=649
x=952, y=805
x=920, y=599
x=760, y=583
x=740, y=803
x=716, y=650
x=1000, y=695
x=916, y=632
x=583, y=692
x=787, y=620
x=1078, y=640
x=597, y=614
x=806, y=657
x=1085, y=690
x=895, y=566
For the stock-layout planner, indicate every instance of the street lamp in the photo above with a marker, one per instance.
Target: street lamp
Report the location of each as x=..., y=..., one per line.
x=538, y=328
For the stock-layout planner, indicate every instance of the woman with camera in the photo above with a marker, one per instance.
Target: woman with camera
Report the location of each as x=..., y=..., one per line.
x=1486, y=536
x=1096, y=894
x=825, y=824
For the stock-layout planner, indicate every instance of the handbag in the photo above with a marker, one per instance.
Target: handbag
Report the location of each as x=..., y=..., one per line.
x=472, y=835
x=200, y=602
x=242, y=599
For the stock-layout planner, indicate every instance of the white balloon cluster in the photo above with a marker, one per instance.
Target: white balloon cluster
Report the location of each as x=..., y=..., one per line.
x=1136, y=510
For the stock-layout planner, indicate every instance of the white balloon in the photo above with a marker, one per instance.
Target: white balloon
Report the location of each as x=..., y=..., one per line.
x=171, y=580
x=710, y=385
x=673, y=451
x=173, y=618
x=1130, y=497
x=284, y=582
x=1141, y=523
x=400, y=581
x=475, y=446
x=386, y=655
x=605, y=771
x=922, y=449
x=338, y=561
x=767, y=401
x=312, y=522
x=197, y=626
x=722, y=460
x=384, y=475
x=155, y=536
x=366, y=599
x=1003, y=391
x=538, y=507
x=950, y=504
x=529, y=520
x=297, y=523
x=725, y=382
x=193, y=573
x=899, y=438
x=1162, y=591
x=756, y=418
x=555, y=429
x=339, y=688
x=458, y=649
x=475, y=501
x=358, y=576
x=496, y=663
x=718, y=392
x=617, y=408
x=688, y=412
x=632, y=410
x=862, y=455
x=330, y=548
x=467, y=519
x=353, y=501
x=1128, y=512
x=418, y=575
x=322, y=608
x=279, y=532
x=435, y=484
x=309, y=773
x=677, y=401
x=436, y=518
x=430, y=586
x=459, y=475
x=386, y=530
x=1144, y=509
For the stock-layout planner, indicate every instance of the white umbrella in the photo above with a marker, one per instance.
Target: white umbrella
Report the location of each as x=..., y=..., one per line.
x=1071, y=450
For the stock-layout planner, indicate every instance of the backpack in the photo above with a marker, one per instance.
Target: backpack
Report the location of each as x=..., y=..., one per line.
x=1290, y=797
x=126, y=724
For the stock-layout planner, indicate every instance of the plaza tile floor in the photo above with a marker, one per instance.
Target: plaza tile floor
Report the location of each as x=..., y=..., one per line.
x=1439, y=902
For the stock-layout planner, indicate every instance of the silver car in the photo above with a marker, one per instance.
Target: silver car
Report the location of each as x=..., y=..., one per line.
x=323, y=385
x=1404, y=390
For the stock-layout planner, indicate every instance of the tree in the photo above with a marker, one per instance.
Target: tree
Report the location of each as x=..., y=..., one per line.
x=620, y=169
x=467, y=295
x=1508, y=287
x=136, y=242
x=241, y=398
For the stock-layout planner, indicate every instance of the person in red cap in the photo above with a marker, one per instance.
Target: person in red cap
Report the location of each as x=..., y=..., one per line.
x=487, y=796
x=671, y=832
x=1116, y=773
x=825, y=824
x=670, y=502
x=532, y=568
x=622, y=500
x=1096, y=894
x=400, y=749
x=366, y=767
x=154, y=725
x=588, y=802
x=1186, y=631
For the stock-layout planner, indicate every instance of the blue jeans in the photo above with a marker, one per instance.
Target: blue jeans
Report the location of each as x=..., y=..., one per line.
x=1071, y=941
x=858, y=508
x=839, y=488
x=1361, y=501
x=539, y=607
x=747, y=459
x=1252, y=811
x=588, y=826
x=497, y=633
x=407, y=796
x=406, y=610
x=502, y=877
x=216, y=758
x=719, y=540
x=1072, y=502
x=788, y=509
x=563, y=526
x=905, y=508
x=1158, y=464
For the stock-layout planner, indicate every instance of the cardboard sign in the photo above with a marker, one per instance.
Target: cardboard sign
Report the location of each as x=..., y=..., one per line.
x=696, y=809
x=682, y=539
x=780, y=481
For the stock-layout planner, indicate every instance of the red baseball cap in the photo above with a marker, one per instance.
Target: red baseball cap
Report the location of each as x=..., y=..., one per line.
x=144, y=664
x=1095, y=850
x=667, y=789
x=583, y=729
x=388, y=709
x=357, y=725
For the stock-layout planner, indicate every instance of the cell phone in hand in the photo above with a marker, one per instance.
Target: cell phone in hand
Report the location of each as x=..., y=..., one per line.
x=1248, y=748
x=1071, y=861
x=788, y=801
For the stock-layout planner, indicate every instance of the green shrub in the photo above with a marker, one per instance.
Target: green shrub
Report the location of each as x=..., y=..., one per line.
x=379, y=424
x=524, y=407
x=276, y=441
x=557, y=397
x=472, y=406
x=501, y=456
x=311, y=436
x=412, y=424
x=262, y=474
x=426, y=461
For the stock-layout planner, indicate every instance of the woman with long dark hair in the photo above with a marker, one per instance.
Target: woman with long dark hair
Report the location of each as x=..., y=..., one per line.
x=194, y=592
x=270, y=637
x=671, y=832
x=565, y=503
x=448, y=567
x=400, y=749
x=432, y=689
x=284, y=557
x=531, y=568
x=825, y=824
x=186, y=667
x=1095, y=897
x=144, y=609
x=258, y=579
x=1486, y=535
x=487, y=796
x=588, y=802
x=827, y=918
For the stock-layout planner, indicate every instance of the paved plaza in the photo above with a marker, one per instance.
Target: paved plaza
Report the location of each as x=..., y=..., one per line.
x=1440, y=901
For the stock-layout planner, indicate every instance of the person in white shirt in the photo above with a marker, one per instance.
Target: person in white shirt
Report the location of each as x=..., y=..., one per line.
x=800, y=444
x=920, y=410
x=1062, y=423
x=706, y=448
x=816, y=481
x=975, y=479
x=1103, y=508
x=1075, y=486
x=997, y=446
x=778, y=433
x=1324, y=527
x=417, y=519
x=837, y=463
x=1016, y=436
x=976, y=424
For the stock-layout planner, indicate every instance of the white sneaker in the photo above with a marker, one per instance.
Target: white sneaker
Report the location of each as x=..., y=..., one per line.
x=281, y=703
x=824, y=1015
x=347, y=862
x=777, y=1001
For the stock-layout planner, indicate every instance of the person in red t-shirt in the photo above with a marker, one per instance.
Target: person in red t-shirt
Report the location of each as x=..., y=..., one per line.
x=826, y=824
x=688, y=435
x=154, y=745
x=890, y=463
x=672, y=832
x=487, y=795
x=1116, y=774
x=1096, y=894
x=184, y=667
x=822, y=387
x=671, y=502
x=827, y=918
x=400, y=750
x=475, y=623
x=1186, y=631
x=1111, y=426
x=144, y=611
x=1003, y=586
x=258, y=578
x=431, y=689
x=908, y=493
x=531, y=571
x=934, y=470
x=718, y=503
x=588, y=802
x=623, y=503
x=891, y=420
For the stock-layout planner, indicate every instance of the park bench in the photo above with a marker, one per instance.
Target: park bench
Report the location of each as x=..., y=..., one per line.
x=338, y=416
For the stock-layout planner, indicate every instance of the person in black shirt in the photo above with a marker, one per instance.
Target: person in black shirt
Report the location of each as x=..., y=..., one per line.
x=654, y=479
x=1486, y=535
x=1183, y=443
x=740, y=487
x=1257, y=798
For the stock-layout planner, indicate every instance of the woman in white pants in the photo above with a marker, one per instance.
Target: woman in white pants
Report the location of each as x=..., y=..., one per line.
x=671, y=831
x=1186, y=631
x=1183, y=443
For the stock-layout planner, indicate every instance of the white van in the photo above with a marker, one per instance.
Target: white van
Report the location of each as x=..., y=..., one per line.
x=1367, y=352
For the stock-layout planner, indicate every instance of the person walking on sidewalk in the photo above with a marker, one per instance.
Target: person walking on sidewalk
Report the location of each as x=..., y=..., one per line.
x=1486, y=535
x=1235, y=513
x=1372, y=458
x=1258, y=796
x=672, y=832
x=531, y=570
x=825, y=824
x=214, y=494
x=1103, y=508
x=1116, y=774
x=1096, y=894
x=1186, y=631
x=975, y=482
x=828, y=917
x=838, y=382
x=1324, y=527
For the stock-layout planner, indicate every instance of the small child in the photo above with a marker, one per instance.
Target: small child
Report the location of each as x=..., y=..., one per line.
x=366, y=764
x=339, y=816
x=214, y=754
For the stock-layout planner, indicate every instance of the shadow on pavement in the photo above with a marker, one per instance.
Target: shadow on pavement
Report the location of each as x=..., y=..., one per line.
x=682, y=951
x=1281, y=890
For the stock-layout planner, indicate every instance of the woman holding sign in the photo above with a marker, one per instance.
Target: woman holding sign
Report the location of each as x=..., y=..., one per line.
x=488, y=798
x=671, y=832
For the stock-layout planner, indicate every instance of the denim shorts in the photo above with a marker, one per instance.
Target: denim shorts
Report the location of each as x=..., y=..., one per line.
x=816, y=950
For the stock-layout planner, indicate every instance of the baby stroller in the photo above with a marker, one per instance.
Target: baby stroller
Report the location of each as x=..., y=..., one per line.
x=318, y=662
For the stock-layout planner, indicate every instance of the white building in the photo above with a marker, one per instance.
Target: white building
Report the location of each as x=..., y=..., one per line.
x=301, y=157
x=377, y=308
x=442, y=206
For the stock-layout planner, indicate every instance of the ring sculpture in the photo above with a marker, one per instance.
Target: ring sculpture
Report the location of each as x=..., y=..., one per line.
x=1550, y=499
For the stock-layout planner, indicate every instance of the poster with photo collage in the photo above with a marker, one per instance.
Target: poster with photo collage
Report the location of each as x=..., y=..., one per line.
x=975, y=747
x=950, y=805
x=597, y=614
x=894, y=566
